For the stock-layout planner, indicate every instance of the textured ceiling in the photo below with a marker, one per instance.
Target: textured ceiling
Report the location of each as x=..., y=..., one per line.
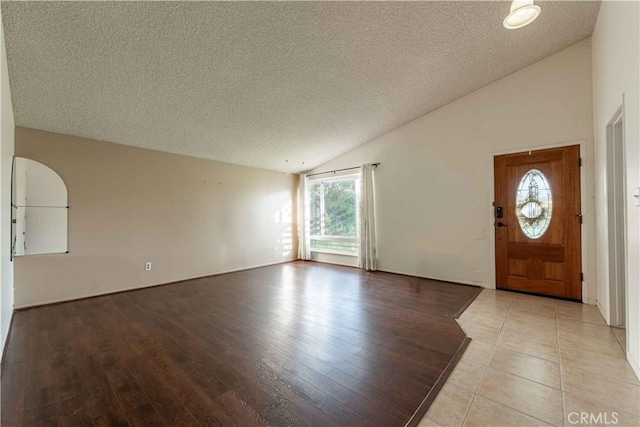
x=283, y=86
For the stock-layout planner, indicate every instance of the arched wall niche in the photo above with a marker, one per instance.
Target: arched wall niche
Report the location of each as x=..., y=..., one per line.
x=39, y=208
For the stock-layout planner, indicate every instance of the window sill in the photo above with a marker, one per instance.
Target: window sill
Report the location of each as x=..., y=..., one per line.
x=334, y=252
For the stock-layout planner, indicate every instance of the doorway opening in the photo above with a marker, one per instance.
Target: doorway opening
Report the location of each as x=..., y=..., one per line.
x=616, y=214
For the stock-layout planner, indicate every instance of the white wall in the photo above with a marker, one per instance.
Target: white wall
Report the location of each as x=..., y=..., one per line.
x=6, y=155
x=189, y=217
x=434, y=184
x=616, y=77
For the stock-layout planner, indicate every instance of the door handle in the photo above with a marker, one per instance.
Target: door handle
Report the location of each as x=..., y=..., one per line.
x=500, y=224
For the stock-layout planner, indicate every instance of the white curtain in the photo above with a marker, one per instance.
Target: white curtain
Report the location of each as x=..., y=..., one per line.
x=304, y=244
x=367, y=259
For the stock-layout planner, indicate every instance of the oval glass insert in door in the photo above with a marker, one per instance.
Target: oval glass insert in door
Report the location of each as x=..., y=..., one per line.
x=534, y=204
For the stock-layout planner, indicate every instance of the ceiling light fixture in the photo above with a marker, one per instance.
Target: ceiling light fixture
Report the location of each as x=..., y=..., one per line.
x=523, y=12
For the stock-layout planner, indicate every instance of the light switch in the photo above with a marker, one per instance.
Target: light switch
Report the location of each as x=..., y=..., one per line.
x=636, y=195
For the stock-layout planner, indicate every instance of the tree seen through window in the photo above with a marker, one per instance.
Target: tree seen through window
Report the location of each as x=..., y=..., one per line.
x=334, y=214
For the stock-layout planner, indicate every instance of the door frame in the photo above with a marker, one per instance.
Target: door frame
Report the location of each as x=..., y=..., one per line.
x=616, y=151
x=583, y=207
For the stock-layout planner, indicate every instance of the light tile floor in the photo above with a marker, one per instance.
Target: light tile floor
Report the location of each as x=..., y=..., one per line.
x=537, y=361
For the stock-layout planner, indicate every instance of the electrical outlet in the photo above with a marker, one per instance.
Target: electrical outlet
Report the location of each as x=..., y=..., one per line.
x=147, y=266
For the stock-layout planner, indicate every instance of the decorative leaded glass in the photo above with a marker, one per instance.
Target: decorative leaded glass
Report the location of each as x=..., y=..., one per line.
x=534, y=204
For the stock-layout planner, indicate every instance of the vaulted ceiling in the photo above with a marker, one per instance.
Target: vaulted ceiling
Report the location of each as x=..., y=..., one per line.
x=282, y=86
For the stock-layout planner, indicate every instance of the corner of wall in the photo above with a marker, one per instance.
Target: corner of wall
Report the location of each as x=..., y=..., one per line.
x=7, y=142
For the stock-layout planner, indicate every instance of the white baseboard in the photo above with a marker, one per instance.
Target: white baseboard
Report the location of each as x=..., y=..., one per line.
x=602, y=312
x=462, y=282
x=133, y=288
x=634, y=365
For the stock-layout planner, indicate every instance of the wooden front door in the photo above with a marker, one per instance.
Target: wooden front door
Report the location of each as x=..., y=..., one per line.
x=538, y=221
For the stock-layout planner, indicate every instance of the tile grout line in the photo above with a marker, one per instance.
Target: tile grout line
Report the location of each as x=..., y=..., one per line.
x=578, y=393
x=562, y=395
x=528, y=379
x=517, y=410
x=513, y=409
x=559, y=362
x=511, y=308
x=486, y=368
x=476, y=394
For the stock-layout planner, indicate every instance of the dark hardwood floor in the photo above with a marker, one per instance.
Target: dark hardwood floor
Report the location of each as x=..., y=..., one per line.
x=300, y=343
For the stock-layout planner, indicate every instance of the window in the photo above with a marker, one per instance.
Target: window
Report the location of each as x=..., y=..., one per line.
x=534, y=204
x=333, y=219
